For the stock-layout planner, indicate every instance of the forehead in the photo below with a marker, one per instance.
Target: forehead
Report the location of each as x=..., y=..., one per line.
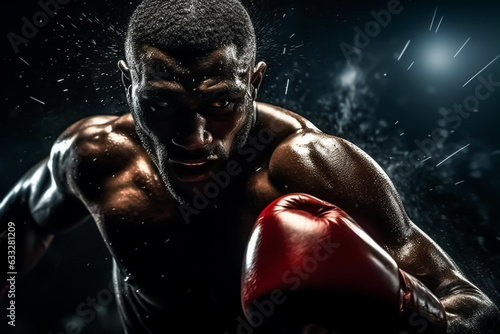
x=223, y=62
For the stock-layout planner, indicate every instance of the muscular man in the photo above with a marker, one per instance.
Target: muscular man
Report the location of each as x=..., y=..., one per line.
x=228, y=215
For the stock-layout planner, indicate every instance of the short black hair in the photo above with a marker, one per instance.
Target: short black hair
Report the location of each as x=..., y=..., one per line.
x=190, y=26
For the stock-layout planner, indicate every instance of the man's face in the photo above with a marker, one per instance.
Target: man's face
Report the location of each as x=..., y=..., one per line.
x=191, y=113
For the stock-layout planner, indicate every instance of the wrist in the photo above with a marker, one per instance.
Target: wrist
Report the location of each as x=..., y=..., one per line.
x=420, y=310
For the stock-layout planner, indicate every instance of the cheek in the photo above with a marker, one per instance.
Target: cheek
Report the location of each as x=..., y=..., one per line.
x=226, y=130
x=153, y=123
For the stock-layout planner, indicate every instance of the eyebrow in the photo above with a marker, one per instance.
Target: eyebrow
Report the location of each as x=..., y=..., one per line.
x=224, y=86
x=214, y=92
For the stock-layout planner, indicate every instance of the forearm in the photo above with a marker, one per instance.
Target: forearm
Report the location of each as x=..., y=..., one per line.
x=30, y=239
x=470, y=311
x=30, y=243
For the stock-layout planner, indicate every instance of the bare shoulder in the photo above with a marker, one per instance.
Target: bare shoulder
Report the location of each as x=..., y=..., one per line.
x=96, y=147
x=309, y=149
x=95, y=134
x=282, y=122
x=341, y=173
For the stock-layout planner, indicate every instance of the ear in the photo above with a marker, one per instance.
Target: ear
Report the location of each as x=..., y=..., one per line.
x=257, y=77
x=126, y=78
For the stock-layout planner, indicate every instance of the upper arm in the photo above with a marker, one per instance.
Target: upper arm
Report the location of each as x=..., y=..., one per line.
x=342, y=174
x=53, y=201
x=339, y=172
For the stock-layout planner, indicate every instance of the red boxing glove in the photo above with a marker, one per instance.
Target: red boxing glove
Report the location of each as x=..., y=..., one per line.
x=308, y=262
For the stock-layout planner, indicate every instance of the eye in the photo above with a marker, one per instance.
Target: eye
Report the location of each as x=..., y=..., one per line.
x=220, y=104
x=161, y=104
x=159, y=71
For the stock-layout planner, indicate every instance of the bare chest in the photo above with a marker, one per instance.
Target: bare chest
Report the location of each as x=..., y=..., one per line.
x=168, y=257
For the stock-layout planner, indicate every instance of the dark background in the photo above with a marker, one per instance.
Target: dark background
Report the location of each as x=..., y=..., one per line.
x=374, y=101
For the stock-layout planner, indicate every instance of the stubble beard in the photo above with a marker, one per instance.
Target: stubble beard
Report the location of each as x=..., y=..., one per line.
x=159, y=155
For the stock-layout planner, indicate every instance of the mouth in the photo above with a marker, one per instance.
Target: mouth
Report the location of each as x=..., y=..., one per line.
x=193, y=170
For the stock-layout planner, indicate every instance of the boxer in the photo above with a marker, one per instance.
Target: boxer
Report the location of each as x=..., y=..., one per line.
x=227, y=215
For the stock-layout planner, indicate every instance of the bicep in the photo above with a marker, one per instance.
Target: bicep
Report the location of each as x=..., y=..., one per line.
x=51, y=204
x=381, y=212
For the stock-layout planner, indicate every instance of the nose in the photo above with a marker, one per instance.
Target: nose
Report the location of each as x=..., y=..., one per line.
x=193, y=138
